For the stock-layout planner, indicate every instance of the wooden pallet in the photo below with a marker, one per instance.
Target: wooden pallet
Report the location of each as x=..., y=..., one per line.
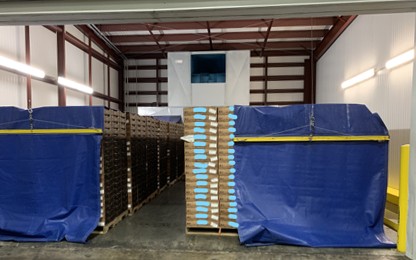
x=179, y=178
x=210, y=231
x=147, y=200
x=103, y=230
x=163, y=188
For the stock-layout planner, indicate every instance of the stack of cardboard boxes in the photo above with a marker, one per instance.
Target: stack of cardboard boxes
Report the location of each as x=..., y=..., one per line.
x=209, y=168
x=226, y=130
x=201, y=167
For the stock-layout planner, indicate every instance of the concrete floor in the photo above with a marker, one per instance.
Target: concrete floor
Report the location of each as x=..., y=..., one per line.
x=157, y=231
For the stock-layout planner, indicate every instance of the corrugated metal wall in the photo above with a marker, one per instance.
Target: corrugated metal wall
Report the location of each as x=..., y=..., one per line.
x=43, y=44
x=369, y=42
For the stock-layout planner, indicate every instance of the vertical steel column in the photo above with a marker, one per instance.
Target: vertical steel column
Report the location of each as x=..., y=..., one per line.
x=121, y=93
x=266, y=78
x=108, y=82
x=28, y=78
x=309, y=82
x=90, y=67
x=61, y=64
x=158, y=100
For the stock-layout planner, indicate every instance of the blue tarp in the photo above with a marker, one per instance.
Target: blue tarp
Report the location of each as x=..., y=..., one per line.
x=49, y=183
x=320, y=194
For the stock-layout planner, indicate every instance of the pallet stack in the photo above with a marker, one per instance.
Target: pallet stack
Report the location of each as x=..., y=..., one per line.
x=173, y=169
x=180, y=150
x=135, y=154
x=201, y=168
x=136, y=179
x=226, y=130
x=113, y=173
x=152, y=135
x=210, y=194
x=163, y=143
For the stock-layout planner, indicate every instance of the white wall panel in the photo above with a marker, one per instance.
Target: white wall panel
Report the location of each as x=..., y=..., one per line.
x=12, y=86
x=163, y=73
x=43, y=46
x=146, y=73
x=114, y=83
x=144, y=62
x=98, y=102
x=99, y=71
x=77, y=33
x=257, y=71
x=76, y=64
x=256, y=60
x=256, y=97
x=12, y=42
x=141, y=87
x=44, y=94
x=256, y=85
x=287, y=59
x=44, y=50
x=12, y=90
x=76, y=98
x=277, y=71
x=274, y=97
x=367, y=43
x=96, y=47
x=288, y=84
x=114, y=106
x=237, y=91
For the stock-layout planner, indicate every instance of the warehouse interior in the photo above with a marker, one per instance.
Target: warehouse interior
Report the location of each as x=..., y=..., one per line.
x=130, y=55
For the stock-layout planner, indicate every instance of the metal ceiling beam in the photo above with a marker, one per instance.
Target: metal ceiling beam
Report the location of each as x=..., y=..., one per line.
x=209, y=36
x=277, y=65
x=339, y=27
x=266, y=37
x=89, y=33
x=155, y=39
x=133, y=11
x=275, y=91
x=277, y=103
x=216, y=24
x=218, y=36
x=83, y=46
x=288, y=52
x=220, y=46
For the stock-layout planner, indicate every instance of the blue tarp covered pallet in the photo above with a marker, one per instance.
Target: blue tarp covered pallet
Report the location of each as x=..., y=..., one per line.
x=49, y=176
x=299, y=191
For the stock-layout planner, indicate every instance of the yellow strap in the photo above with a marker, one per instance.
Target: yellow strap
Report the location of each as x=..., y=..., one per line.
x=312, y=138
x=50, y=131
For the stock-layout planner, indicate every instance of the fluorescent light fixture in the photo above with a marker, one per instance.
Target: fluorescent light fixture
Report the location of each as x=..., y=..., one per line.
x=74, y=85
x=401, y=59
x=21, y=67
x=359, y=78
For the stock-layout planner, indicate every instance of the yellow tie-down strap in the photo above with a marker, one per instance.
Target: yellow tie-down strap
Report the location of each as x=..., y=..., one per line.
x=50, y=131
x=378, y=138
